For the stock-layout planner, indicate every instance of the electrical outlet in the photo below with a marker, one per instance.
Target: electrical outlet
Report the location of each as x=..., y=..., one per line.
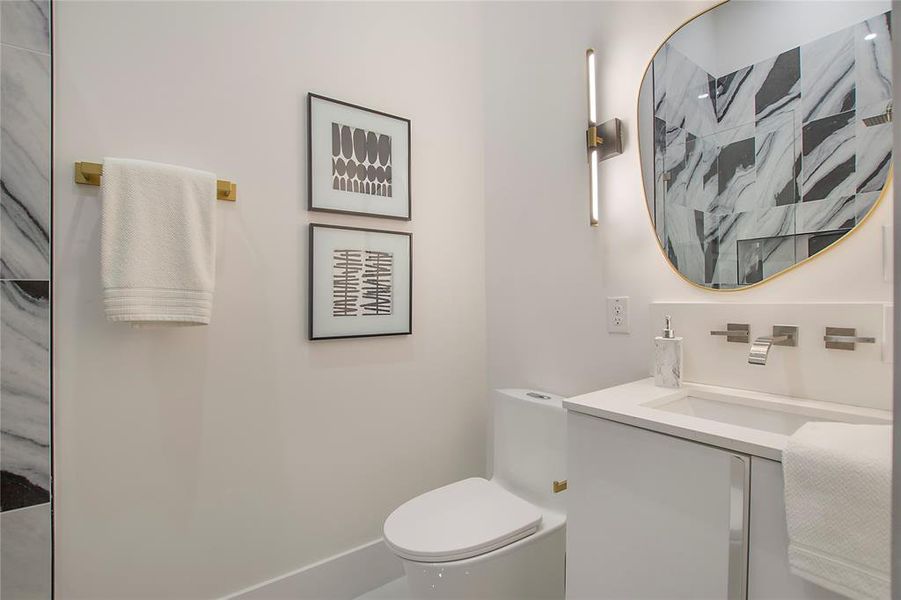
x=618, y=314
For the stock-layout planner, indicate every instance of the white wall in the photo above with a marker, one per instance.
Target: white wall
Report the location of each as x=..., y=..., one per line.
x=549, y=273
x=193, y=462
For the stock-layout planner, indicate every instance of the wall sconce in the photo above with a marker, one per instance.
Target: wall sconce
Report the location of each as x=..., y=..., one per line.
x=604, y=140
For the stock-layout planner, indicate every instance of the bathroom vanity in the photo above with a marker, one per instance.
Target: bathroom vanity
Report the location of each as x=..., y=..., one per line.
x=678, y=493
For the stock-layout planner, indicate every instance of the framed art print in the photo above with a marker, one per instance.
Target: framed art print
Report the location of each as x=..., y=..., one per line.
x=359, y=160
x=361, y=282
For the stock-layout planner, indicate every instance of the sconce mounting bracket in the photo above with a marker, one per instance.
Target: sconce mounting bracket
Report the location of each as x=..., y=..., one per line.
x=606, y=138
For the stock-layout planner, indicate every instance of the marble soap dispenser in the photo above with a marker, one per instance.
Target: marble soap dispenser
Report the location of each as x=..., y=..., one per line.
x=668, y=358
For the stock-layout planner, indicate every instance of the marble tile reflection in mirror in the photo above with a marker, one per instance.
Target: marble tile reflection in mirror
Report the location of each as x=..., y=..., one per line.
x=755, y=150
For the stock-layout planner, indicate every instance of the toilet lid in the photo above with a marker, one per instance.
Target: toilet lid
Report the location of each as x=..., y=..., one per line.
x=460, y=520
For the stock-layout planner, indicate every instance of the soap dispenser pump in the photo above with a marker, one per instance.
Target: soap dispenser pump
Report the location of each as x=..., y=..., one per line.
x=668, y=357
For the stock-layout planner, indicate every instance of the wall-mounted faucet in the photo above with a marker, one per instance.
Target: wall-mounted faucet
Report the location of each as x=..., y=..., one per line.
x=783, y=335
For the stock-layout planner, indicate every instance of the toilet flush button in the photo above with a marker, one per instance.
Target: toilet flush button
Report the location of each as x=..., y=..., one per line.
x=537, y=395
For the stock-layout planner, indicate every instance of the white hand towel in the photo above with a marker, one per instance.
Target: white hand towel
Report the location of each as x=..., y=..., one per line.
x=158, y=248
x=838, y=506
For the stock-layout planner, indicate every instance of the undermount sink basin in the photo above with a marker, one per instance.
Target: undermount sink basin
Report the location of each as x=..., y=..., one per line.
x=745, y=421
x=783, y=417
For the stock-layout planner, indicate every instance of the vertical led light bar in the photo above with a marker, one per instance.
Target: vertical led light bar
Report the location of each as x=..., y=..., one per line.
x=592, y=150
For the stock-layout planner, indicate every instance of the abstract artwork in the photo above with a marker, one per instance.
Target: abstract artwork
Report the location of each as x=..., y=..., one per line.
x=359, y=160
x=360, y=282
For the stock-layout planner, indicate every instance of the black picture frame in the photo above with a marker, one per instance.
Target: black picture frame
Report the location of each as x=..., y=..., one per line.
x=313, y=227
x=409, y=162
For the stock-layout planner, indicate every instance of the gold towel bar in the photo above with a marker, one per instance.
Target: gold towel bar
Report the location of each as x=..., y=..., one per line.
x=89, y=173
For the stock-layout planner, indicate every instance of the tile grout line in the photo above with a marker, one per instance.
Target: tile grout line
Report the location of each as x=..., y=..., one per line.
x=21, y=508
x=24, y=49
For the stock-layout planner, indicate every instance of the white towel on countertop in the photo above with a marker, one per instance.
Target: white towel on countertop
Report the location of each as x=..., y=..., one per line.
x=838, y=506
x=158, y=246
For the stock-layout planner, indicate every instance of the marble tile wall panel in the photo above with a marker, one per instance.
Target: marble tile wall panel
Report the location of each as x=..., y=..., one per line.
x=826, y=215
x=750, y=261
x=24, y=393
x=683, y=241
x=26, y=554
x=779, y=253
x=25, y=101
x=701, y=173
x=734, y=229
x=864, y=202
x=729, y=135
x=873, y=60
x=777, y=147
x=764, y=257
x=777, y=86
x=26, y=24
x=767, y=243
x=776, y=221
x=828, y=84
x=658, y=67
x=828, y=160
x=735, y=98
x=758, y=237
x=736, y=176
x=874, y=150
x=24, y=164
x=725, y=275
x=683, y=93
x=675, y=177
x=659, y=183
x=720, y=248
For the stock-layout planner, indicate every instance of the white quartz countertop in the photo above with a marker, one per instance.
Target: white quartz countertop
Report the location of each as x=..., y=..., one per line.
x=634, y=404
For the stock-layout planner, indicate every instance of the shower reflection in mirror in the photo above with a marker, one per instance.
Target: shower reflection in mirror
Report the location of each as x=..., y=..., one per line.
x=765, y=135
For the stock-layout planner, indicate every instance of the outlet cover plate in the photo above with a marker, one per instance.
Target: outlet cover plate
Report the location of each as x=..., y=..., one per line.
x=618, y=314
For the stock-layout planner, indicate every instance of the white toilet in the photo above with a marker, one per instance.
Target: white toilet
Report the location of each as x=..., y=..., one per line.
x=497, y=539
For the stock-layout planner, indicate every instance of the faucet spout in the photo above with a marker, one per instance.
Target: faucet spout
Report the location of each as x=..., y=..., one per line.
x=783, y=335
x=760, y=349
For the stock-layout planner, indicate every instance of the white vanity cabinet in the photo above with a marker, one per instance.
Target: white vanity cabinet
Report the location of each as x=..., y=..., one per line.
x=656, y=516
x=652, y=516
x=769, y=577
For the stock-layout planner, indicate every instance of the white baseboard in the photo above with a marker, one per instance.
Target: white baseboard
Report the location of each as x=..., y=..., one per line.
x=341, y=577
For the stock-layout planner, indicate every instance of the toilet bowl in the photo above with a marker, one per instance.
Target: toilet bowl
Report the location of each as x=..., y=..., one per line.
x=500, y=538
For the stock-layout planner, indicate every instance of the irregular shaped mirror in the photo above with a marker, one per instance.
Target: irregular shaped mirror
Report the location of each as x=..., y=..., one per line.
x=765, y=134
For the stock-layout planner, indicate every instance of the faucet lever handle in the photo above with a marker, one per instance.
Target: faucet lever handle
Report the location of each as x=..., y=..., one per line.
x=785, y=335
x=844, y=338
x=735, y=332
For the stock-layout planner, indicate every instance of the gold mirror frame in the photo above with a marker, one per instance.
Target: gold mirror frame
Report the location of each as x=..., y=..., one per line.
x=889, y=183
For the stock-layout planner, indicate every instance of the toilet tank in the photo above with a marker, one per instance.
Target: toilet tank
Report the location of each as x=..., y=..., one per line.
x=529, y=444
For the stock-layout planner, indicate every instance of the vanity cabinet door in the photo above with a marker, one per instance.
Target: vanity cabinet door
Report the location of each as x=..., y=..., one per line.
x=653, y=516
x=769, y=577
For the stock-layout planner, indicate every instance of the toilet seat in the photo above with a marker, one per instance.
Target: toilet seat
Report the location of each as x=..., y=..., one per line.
x=461, y=520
